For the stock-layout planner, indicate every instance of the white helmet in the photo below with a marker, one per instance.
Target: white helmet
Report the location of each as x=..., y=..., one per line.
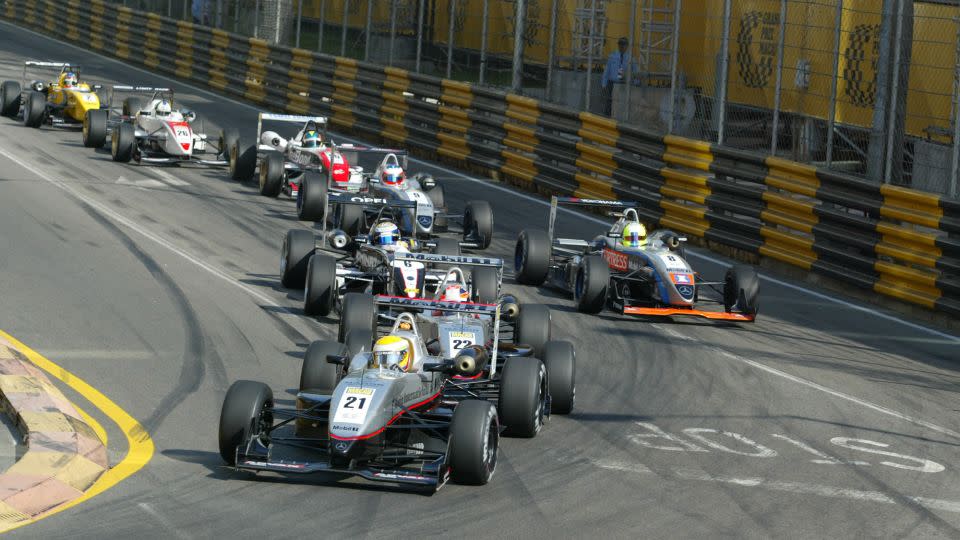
x=272, y=138
x=163, y=108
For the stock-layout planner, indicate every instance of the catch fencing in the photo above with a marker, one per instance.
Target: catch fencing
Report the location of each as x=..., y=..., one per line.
x=896, y=241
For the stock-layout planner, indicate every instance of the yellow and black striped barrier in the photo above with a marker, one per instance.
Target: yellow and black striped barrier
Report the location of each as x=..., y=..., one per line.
x=896, y=241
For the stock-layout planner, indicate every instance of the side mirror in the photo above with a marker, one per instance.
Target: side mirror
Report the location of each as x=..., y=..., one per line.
x=438, y=367
x=337, y=359
x=190, y=116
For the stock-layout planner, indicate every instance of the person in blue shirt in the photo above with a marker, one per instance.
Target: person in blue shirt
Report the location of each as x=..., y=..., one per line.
x=616, y=72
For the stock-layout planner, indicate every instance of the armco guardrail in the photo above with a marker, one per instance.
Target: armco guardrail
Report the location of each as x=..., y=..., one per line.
x=895, y=241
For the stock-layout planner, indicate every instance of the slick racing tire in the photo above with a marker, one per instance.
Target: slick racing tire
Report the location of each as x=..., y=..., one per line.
x=446, y=246
x=531, y=257
x=132, y=105
x=561, y=362
x=228, y=138
x=474, y=441
x=523, y=396
x=243, y=161
x=533, y=327
x=271, y=174
x=349, y=218
x=320, y=290
x=318, y=376
x=358, y=340
x=478, y=223
x=438, y=197
x=312, y=197
x=741, y=289
x=34, y=108
x=485, y=286
x=298, y=246
x=9, y=98
x=122, y=142
x=590, y=288
x=247, y=410
x=95, y=128
x=359, y=311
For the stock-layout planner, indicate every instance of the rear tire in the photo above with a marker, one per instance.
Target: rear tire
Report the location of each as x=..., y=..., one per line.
x=485, y=285
x=246, y=410
x=533, y=327
x=590, y=289
x=271, y=174
x=349, y=218
x=312, y=197
x=132, y=106
x=438, y=198
x=522, y=396
x=741, y=289
x=318, y=376
x=122, y=141
x=9, y=98
x=478, y=222
x=358, y=341
x=243, y=161
x=95, y=128
x=320, y=290
x=531, y=257
x=298, y=246
x=474, y=441
x=561, y=361
x=228, y=139
x=34, y=109
x=359, y=312
x=446, y=246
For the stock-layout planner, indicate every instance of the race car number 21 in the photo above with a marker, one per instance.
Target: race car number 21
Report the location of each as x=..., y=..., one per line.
x=353, y=406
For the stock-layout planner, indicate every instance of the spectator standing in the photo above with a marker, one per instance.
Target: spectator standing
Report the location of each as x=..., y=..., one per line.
x=616, y=72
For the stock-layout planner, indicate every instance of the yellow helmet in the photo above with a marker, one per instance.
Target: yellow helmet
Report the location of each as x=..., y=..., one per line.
x=390, y=351
x=634, y=235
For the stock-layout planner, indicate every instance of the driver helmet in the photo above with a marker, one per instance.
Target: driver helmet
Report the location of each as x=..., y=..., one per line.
x=163, y=108
x=69, y=79
x=386, y=235
x=634, y=235
x=455, y=292
x=272, y=138
x=392, y=176
x=311, y=138
x=392, y=352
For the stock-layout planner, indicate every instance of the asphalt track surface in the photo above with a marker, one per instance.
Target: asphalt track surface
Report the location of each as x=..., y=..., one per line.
x=159, y=287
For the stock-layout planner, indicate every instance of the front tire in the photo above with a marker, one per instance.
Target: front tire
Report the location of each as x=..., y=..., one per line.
x=245, y=413
x=229, y=137
x=132, y=106
x=9, y=98
x=359, y=312
x=531, y=257
x=590, y=289
x=271, y=174
x=533, y=327
x=561, y=361
x=485, y=285
x=95, y=128
x=320, y=290
x=523, y=396
x=34, y=109
x=478, y=223
x=349, y=218
x=741, y=289
x=312, y=197
x=243, y=161
x=298, y=246
x=318, y=376
x=122, y=142
x=474, y=442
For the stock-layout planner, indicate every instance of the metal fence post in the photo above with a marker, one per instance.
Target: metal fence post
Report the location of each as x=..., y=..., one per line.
x=169, y=8
x=343, y=27
x=450, y=27
x=954, y=187
x=894, y=96
x=299, y=19
x=420, y=9
x=220, y=12
x=589, y=83
x=483, y=42
x=256, y=19
x=393, y=30
x=631, y=59
x=551, y=49
x=369, y=26
x=236, y=16
x=321, y=24
x=516, y=83
x=831, y=123
x=779, y=87
x=724, y=73
x=674, y=57
x=186, y=10
x=875, y=152
x=276, y=25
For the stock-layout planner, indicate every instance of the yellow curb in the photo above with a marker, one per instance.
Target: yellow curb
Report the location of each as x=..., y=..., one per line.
x=140, y=445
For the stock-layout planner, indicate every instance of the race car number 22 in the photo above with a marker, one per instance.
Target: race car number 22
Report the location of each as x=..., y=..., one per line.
x=354, y=404
x=461, y=340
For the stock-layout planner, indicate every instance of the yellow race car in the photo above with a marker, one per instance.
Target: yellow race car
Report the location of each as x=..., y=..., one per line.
x=61, y=103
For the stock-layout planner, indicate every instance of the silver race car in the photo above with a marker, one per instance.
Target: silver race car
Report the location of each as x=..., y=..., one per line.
x=652, y=279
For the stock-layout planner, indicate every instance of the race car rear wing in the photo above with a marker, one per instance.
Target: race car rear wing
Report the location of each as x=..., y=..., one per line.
x=51, y=65
x=366, y=200
x=290, y=118
x=131, y=89
x=449, y=307
x=577, y=201
x=459, y=260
